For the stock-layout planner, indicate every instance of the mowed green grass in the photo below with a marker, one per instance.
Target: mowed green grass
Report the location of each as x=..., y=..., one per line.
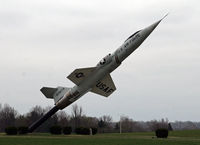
x=191, y=137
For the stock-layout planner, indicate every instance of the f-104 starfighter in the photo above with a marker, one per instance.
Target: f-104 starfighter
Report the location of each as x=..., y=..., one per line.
x=95, y=79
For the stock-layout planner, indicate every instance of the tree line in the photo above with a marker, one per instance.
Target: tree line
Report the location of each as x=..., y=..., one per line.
x=105, y=124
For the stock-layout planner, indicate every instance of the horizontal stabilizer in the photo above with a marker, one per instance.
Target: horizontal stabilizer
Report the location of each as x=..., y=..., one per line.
x=78, y=75
x=105, y=87
x=54, y=93
x=48, y=92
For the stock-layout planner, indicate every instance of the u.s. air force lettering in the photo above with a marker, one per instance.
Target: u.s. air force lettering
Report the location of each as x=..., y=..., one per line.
x=104, y=88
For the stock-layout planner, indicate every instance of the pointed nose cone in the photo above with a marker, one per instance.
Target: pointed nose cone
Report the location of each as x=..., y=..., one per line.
x=147, y=31
x=153, y=26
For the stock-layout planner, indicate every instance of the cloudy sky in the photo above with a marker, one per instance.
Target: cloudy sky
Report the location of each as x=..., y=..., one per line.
x=43, y=41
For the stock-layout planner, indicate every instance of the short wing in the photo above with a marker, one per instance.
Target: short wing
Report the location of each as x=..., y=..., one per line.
x=80, y=74
x=105, y=87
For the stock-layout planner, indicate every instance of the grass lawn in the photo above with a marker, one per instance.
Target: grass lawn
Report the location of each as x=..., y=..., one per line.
x=147, y=138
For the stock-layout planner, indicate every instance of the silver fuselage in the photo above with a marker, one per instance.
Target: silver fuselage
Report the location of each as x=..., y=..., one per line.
x=94, y=79
x=106, y=66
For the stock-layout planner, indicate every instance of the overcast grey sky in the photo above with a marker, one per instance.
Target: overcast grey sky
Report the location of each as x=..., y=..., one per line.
x=43, y=41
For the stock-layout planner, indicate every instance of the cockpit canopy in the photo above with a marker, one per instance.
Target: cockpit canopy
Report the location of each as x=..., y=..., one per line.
x=132, y=35
x=107, y=59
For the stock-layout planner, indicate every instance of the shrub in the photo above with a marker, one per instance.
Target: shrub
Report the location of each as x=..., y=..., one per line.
x=55, y=130
x=94, y=131
x=22, y=130
x=11, y=130
x=162, y=133
x=81, y=130
x=85, y=131
x=67, y=130
x=78, y=130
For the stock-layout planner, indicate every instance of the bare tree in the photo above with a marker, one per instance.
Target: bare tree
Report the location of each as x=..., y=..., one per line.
x=7, y=116
x=107, y=118
x=128, y=125
x=63, y=118
x=34, y=114
x=89, y=122
x=21, y=120
x=154, y=124
x=77, y=113
x=105, y=124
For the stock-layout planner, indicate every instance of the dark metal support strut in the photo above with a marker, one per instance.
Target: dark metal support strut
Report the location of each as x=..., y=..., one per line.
x=36, y=124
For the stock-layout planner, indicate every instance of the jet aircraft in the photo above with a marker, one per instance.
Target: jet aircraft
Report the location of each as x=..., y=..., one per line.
x=95, y=79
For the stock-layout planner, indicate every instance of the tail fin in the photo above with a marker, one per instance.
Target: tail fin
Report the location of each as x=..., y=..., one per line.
x=54, y=93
